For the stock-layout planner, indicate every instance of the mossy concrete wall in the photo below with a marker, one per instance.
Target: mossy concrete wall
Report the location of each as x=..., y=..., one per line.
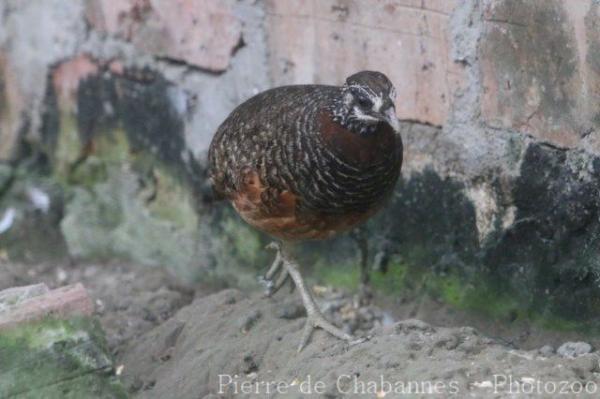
x=108, y=109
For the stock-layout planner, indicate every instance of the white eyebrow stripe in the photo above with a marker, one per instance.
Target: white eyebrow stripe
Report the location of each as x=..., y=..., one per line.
x=366, y=91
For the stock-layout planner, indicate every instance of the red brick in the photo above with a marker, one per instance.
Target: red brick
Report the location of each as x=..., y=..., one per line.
x=65, y=302
x=203, y=33
x=14, y=296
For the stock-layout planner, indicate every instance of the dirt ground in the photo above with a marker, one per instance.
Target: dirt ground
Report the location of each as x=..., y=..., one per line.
x=175, y=341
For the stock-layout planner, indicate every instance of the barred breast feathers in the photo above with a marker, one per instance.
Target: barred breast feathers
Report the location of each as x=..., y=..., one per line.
x=285, y=136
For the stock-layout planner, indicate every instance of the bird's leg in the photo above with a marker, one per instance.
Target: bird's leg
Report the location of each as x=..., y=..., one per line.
x=283, y=277
x=365, y=295
x=271, y=287
x=277, y=263
x=315, y=318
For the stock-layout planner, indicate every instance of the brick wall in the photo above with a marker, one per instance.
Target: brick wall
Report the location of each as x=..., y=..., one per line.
x=499, y=98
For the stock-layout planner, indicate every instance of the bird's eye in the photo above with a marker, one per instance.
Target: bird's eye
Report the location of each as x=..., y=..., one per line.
x=364, y=102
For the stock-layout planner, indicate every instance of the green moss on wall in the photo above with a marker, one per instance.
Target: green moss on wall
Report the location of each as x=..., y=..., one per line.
x=116, y=218
x=124, y=204
x=476, y=293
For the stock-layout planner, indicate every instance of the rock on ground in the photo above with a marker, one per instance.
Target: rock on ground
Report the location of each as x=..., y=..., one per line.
x=65, y=302
x=57, y=359
x=574, y=349
x=230, y=338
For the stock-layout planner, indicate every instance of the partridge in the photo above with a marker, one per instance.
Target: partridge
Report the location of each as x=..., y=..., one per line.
x=307, y=162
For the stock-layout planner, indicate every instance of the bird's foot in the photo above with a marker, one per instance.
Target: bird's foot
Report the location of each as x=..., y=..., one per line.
x=269, y=280
x=360, y=340
x=317, y=320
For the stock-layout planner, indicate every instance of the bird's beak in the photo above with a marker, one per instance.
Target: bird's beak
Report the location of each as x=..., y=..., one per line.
x=390, y=117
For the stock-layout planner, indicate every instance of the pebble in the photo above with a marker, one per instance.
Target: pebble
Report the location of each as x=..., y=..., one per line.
x=412, y=325
x=574, y=349
x=247, y=322
x=546, y=351
x=291, y=311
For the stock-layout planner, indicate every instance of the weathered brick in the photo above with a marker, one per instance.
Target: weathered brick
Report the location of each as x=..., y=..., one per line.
x=539, y=63
x=65, y=302
x=202, y=33
x=11, y=297
x=67, y=76
x=326, y=40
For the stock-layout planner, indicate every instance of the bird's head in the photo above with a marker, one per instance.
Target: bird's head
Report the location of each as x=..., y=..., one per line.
x=368, y=100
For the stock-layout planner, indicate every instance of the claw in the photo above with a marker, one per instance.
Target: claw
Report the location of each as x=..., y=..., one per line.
x=360, y=340
x=316, y=320
x=271, y=287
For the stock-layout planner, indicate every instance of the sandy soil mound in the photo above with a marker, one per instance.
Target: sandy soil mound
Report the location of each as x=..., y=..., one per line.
x=232, y=345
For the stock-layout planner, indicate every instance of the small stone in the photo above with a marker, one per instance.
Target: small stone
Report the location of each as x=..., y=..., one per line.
x=406, y=326
x=471, y=347
x=468, y=331
x=291, y=311
x=447, y=340
x=65, y=302
x=546, y=351
x=247, y=322
x=574, y=349
x=249, y=365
